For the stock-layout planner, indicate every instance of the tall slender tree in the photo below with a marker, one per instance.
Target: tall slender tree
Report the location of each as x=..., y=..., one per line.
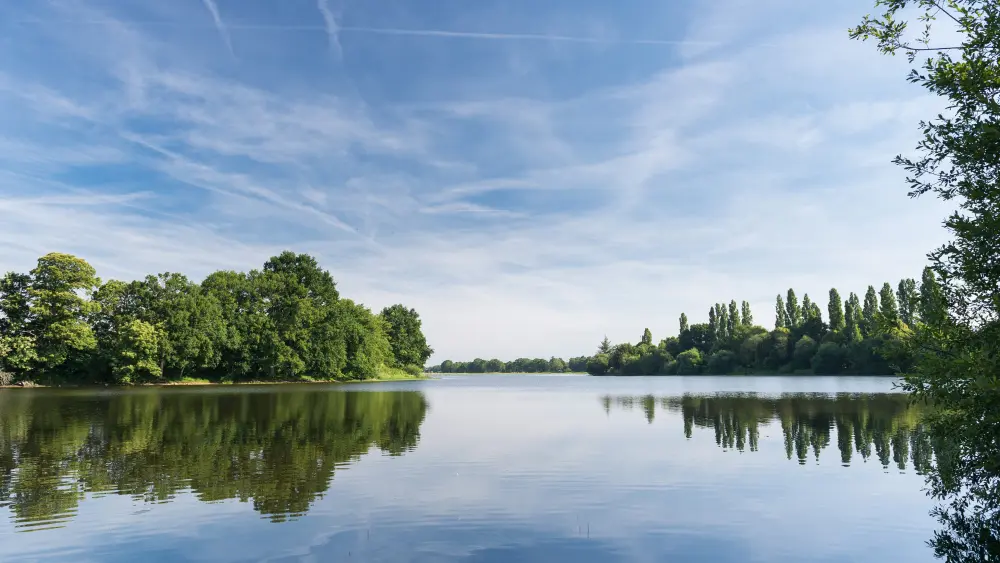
x=734, y=319
x=780, y=314
x=888, y=308
x=647, y=338
x=835, y=308
x=723, y=322
x=869, y=312
x=794, y=317
x=713, y=322
x=852, y=318
x=684, y=324
x=746, y=316
x=906, y=294
x=932, y=301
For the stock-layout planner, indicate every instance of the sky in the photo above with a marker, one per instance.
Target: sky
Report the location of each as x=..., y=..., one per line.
x=529, y=175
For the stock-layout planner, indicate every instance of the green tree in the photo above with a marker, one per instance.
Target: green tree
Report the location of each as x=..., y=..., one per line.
x=869, y=313
x=733, y=320
x=63, y=338
x=605, y=346
x=830, y=359
x=689, y=362
x=647, y=338
x=780, y=314
x=793, y=314
x=933, y=306
x=852, y=318
x=598, y=365
x=684, y=323
x=888, y=308
x=958, y=348
x=723, y=319
x=804, y=351
x=713, y=322
x=909, y=299
x=17, y=344
x=807, y=307
x=406, y=338
x=746, y=317
x=835, y=308
x=136, y=352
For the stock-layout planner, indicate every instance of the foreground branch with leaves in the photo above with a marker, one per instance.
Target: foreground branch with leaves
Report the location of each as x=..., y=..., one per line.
x=957, y=354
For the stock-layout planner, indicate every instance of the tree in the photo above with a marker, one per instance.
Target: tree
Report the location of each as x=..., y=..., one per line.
x=793, y=314
x=684, y=323
x=713, y=322
x=59, y=314
x=746, y=316
x=836, y=311
x=933, y=307
x=852, y=318
x=17, y=344
x=807, y=307
x=699, y=336
x=804, y=351
x=958, y=347
x=888, y=309
x=409, y=346
x=689, y=362
x=598, y=365
x=830, y=359
x=909, y=299
x=723, y=318
x=605, y=346
x=733, y=320
x=869, y=313
x=136, y=352
x=780, y=314
x=647, y=338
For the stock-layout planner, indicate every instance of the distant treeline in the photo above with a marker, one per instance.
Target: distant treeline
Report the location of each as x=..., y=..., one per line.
x=520, y=365
x=60, y=323
x=869, y=337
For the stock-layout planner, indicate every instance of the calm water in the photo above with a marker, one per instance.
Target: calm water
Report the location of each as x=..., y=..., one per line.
x=468, y=468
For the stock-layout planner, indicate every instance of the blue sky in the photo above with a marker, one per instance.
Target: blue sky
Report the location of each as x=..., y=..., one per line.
x=530, y=176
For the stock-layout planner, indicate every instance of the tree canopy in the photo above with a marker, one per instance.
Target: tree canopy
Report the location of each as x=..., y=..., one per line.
x=287, y=321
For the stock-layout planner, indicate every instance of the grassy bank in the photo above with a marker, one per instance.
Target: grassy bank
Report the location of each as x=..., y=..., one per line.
x=384, y=374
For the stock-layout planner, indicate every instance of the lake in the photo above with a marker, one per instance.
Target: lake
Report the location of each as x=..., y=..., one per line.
x=468, y=468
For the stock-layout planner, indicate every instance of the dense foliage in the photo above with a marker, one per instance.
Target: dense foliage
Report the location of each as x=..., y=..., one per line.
x=287, y=321
x=279, y=451
x=857, y=339
x=957, y=349
x=520, y=365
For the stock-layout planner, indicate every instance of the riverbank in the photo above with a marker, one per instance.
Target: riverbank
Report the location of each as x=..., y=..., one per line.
x=385, y=375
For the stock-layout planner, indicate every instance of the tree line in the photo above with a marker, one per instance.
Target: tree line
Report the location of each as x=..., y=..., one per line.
x=857, y=337
x=285, y=322
x=520, y=365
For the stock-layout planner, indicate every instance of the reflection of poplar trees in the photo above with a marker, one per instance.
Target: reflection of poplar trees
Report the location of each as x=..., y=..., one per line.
x=886, y=421
x=277, y=450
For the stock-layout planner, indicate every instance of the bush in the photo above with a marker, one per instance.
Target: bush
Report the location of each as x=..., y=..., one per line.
x=689, y=362
x=414, y=370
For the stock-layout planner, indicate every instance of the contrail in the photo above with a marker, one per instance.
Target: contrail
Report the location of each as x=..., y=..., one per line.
x=331, y=26
x=214, y=10
x=337, y=30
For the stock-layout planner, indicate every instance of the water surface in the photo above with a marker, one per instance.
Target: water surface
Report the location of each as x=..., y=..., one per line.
x=468, y=468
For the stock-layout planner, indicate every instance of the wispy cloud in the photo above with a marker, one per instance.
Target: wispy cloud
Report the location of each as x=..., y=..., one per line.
x=219, y=25
x=524, y=213
x=332, y=29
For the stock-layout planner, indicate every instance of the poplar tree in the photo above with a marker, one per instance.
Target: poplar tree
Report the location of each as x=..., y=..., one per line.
x=723, y=322
x=807, y=307
x=734, y=319
x=869, y=312
x=906, y=294
x=684, y=324
x=746, y=316
x=835, y=309
x=713, y=322
x=780, y=318
x=794, y=317
x=932, y=301
x=888, y=310
x=852, y=318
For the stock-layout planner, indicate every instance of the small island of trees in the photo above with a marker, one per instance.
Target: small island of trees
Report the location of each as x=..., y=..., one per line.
x=60, y=323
